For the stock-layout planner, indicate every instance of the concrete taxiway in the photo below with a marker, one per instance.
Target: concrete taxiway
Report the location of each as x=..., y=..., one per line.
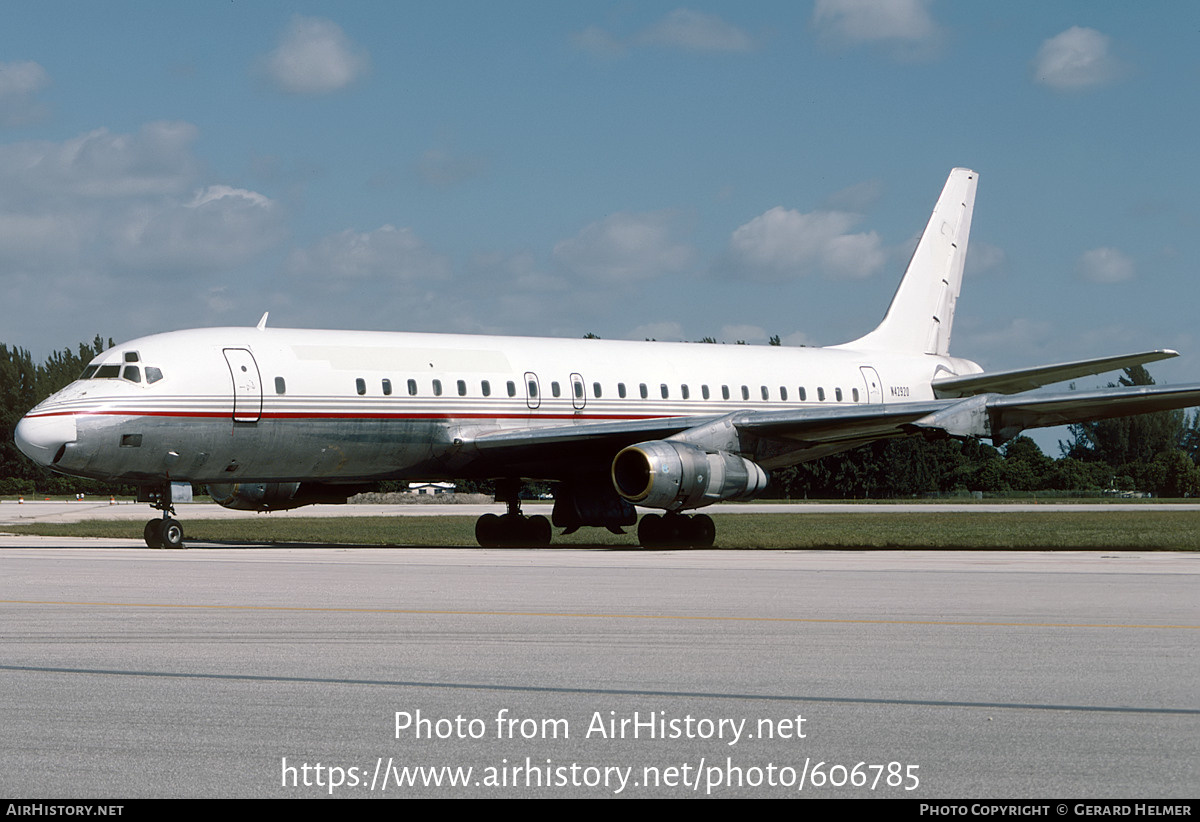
x=100, y=508
x=566, y=672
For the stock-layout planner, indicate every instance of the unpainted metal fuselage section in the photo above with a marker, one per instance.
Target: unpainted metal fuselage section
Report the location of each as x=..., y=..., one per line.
x=276, y=418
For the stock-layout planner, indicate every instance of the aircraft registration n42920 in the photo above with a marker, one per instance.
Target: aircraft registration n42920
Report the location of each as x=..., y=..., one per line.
x=273, y=418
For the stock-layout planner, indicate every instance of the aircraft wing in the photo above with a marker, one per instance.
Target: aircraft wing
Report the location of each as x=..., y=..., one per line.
x=810, y=432
x=1026, y=379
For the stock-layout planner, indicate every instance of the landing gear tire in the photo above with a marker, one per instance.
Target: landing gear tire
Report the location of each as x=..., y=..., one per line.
x=513, y=531
x=487, y=531
x=676, y=531
x=172, y=534
x=153, y=533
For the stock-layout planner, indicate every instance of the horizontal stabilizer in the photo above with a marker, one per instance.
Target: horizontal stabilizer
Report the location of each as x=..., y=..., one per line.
x=1026, y=379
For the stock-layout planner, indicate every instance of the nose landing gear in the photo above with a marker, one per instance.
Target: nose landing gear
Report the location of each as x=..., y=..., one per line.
x=166, y=532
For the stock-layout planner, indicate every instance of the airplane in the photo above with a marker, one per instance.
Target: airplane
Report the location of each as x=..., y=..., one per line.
x=274, y=418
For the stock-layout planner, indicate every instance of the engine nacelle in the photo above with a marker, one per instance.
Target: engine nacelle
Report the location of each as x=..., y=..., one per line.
x=278, y=496
x=677, y=476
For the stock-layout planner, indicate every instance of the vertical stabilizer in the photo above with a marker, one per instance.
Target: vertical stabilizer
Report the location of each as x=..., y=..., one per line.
x=918, y=320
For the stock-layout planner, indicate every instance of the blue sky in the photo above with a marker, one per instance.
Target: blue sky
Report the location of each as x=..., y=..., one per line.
x=732, y=170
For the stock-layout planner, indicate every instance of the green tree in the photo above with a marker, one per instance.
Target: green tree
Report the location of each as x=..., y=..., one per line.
x=1127, y=440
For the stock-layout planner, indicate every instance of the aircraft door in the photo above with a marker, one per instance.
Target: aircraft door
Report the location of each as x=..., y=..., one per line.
x=578, y=392
x=247, y=385
x=874, y=386
x=533, y=393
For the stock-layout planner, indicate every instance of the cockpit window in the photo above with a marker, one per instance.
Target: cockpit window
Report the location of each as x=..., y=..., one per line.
x=132, y=373
x=153, y=374
x=131, y=356
x=88, y=372
x=107, y=372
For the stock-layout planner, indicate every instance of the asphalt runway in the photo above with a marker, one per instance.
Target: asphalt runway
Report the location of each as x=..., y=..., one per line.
x=565, y=672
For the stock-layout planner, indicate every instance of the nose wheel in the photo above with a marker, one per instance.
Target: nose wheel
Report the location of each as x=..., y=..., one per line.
x=165, y=532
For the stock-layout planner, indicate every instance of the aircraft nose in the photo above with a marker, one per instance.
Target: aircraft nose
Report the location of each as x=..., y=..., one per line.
x=40, y=438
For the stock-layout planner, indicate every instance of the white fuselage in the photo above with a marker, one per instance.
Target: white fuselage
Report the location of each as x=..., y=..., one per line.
x=267, y=405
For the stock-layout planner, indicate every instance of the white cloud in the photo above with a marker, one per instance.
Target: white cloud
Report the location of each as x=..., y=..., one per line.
x=387, y=254
x=155, y=161
x=439, y=167
x=1105, y=265
x=219, y=228
x=745, y=333
x=1021, y=340
x=625, y=248
x=667, y=330
x=782, y=244
x=858, y=197
x=696, y=31
x=904, y=25
x=314, y=57
x=107, y=205
x=683, y=29
x=984, y=257
x=596, y=41
x=1078, y=58
x=19, y=82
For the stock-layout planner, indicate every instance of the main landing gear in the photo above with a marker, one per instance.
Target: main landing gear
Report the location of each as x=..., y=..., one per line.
x=513, y=529
x=166, y=532
x=674, y=530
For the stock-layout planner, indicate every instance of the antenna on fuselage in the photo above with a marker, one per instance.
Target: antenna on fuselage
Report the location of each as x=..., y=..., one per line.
x=263, y=322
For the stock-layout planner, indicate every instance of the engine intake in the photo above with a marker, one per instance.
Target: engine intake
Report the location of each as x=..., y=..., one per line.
x=676, y=476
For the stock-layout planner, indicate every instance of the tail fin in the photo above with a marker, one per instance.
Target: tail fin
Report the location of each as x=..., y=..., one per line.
x=922, y=311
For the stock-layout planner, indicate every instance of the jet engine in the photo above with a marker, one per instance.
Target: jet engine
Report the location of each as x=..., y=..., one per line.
x=677, y=476
x=278, y=496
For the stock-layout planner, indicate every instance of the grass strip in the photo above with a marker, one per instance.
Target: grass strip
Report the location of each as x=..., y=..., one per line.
x=1031, y=531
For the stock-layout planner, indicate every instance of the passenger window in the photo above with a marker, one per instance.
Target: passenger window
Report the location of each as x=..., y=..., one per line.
x=554, y=389
x=462, y=388
x=683, y=391
x=132, y=373
x=642, y=388
x=766, y=394
x=512, y=388
x=153, y=374
x=621, y=390
x=360, y=385
x=280, y=385
x=486, y=387
x=387, y=388
x=821, y=394
x=663, y=389
x=837, y=394
x=854, y=394
x=724, y=392
x=803, y=394
x=596, y=390
x=783, y=393
x=579, y=390
x=412, y=388
x=533, y=389
x=745, y=392
x=437, y=388
x=704, y=391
